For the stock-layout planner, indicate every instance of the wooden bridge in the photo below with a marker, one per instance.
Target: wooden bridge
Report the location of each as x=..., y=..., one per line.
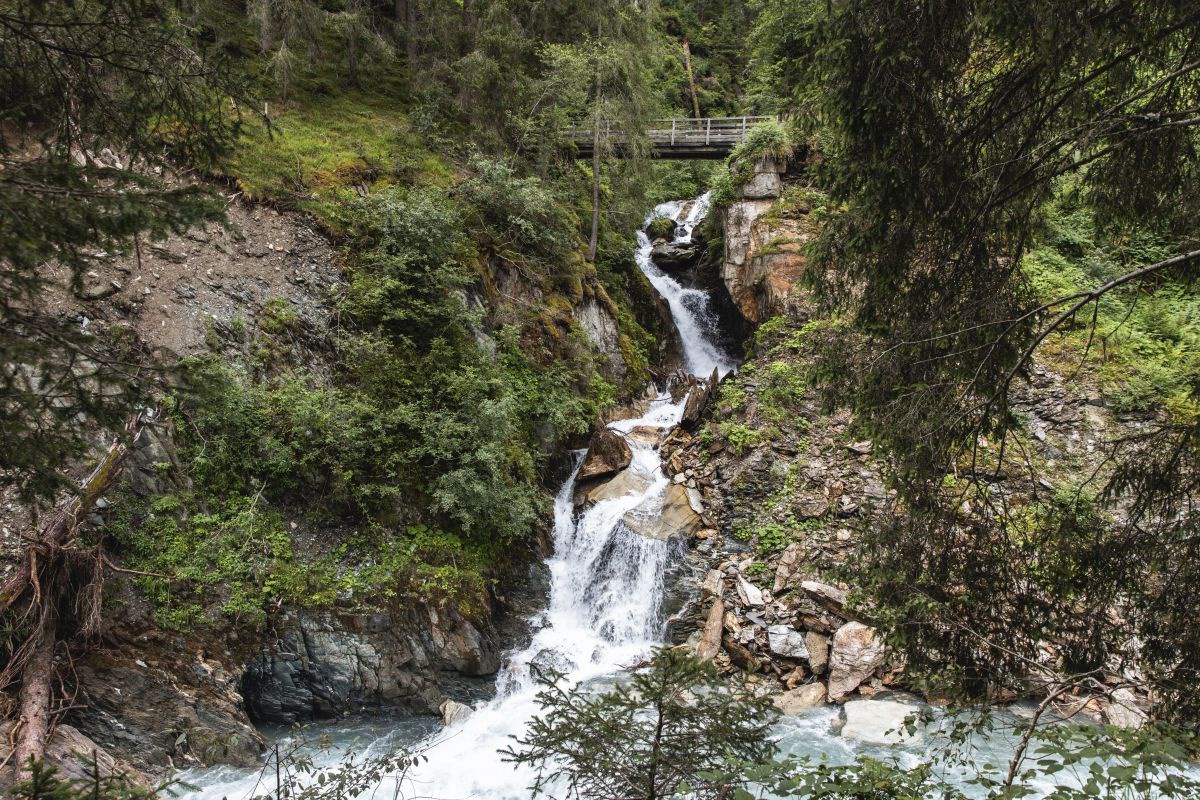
x=708, y=137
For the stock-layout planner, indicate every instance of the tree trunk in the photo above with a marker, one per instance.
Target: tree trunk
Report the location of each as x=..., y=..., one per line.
x=594, y=242
x=410, y=31
x=41, y=578
x=687, y=62
x=34, y=708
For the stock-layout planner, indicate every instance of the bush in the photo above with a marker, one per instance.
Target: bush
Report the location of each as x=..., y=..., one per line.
x=768, y=139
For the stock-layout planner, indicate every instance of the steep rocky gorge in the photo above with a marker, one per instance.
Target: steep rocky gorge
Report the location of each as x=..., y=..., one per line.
x=266, y=289
x=766, y=491
x=781, y=487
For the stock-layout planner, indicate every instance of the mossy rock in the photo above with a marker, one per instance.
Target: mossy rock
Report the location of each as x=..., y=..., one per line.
x=660, y=228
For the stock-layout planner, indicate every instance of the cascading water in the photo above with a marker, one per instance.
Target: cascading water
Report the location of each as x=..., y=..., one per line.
x=604, y=612
x=691, y=309
x=606, y=590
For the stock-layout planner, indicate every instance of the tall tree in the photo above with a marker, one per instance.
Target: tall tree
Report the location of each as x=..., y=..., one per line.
x=947, y=128
x=604, y=83
x=94, y=96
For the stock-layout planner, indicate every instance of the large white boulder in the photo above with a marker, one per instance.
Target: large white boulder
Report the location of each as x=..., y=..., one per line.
x=857, y=653
x=786, y=641
x=879, y=722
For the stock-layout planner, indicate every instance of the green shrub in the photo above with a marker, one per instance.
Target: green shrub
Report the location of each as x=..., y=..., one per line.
x=278, y=316
x=741, y=437
x=768, y=139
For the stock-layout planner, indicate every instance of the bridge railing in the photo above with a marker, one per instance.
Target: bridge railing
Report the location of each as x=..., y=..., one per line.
x=677, y=132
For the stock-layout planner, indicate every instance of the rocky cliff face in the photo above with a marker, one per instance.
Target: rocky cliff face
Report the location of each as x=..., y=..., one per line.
x=763, y=244
x=786, y=486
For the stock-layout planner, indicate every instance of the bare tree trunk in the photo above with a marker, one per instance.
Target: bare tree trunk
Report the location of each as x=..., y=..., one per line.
x=687, y=62
x=410, y=30
x=594, y=242
x=36, y=681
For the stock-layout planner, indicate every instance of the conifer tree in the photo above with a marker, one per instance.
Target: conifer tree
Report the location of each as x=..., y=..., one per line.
x=675, y=729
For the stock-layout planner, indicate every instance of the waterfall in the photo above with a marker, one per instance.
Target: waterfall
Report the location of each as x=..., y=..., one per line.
x=607, y=582
x=606, y=588
x=691, y=309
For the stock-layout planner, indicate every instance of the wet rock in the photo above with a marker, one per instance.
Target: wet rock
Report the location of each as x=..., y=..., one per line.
x=157, y=714
x=676, y=518
x=671, y=256
x=608, y=453
x=75, y=755
x=857, y=653
x=818, y=652
x=645, y=434
x=328, y=664
x=1123, y=710
x=797, y=700
x=878, y=722
x=453, y=711
x=624, y=483
x=661, y=228
x=698, y=402
x=710, y=639
x=787, y=642
x=547, y=661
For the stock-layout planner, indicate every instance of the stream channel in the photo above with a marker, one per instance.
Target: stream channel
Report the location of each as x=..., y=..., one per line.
x=605, y=611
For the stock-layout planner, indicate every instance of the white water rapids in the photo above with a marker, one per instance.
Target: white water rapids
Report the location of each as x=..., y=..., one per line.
x=606, y=591
x=605, y=611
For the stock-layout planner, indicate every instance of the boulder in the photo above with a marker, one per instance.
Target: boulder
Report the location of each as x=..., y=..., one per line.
x=818, y=651
x=672, y=256
x=645, y=434
x=713, y=584
x=831, y=597
x=785, y=570
x=749, y=594
x=1122, y=710
x=786, y=641
x=878, y=722
x=75, y=756
x=624, y=483
x=710, y=640
x=796, y=700
x=453, y=711
x=764, y=185
x=608, y=453
x=698, y=401
x=857, y=653
x=661, y=228
x=675, y=518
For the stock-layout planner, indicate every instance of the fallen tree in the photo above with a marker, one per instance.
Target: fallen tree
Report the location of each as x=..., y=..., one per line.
x=37, y=597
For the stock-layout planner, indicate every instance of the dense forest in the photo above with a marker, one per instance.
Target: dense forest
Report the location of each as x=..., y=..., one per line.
x=312, y=319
